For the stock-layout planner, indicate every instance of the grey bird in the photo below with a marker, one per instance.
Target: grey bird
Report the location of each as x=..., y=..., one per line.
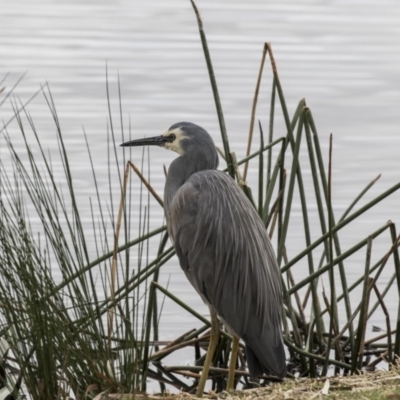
x=224, y=251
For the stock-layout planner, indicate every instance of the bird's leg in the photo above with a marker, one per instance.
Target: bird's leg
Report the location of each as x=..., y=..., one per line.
x=232, y=363
x=214, y=336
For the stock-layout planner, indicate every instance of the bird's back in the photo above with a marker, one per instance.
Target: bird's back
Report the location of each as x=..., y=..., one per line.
x=225, y=252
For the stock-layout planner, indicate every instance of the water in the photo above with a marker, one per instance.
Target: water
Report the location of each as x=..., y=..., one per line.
x=342, y=56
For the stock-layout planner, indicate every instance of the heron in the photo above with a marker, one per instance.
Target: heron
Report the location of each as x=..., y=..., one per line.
x=224, y=250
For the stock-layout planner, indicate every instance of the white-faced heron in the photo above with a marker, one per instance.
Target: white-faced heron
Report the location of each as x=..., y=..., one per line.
x=224, y=250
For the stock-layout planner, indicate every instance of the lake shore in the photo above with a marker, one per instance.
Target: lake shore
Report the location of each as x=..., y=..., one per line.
x=378, y=385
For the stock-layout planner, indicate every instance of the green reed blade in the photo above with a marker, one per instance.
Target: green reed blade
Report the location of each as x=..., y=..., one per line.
x=214, y=87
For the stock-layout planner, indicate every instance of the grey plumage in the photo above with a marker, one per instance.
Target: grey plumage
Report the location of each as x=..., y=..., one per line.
x=223, y=247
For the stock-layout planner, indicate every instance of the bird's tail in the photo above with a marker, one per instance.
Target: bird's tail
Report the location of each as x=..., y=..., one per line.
x=257, y=366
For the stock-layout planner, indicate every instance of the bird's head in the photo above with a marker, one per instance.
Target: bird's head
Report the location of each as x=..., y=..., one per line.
x=181, y=137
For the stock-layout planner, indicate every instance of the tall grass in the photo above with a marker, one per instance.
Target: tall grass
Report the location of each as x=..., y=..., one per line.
x=96, y=329
x=80, y=332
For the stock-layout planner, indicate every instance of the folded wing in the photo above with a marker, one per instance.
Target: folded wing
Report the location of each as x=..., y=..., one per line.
x=225, y=252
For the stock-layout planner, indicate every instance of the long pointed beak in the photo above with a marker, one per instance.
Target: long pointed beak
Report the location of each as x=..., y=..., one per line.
x=157, y=141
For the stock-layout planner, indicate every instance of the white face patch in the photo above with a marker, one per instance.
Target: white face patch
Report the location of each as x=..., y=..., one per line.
x=176, y=144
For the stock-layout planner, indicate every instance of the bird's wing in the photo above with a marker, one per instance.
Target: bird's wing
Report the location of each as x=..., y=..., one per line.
x=226, y=254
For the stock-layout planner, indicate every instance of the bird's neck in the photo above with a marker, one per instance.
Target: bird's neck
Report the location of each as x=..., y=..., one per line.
x=183, y=167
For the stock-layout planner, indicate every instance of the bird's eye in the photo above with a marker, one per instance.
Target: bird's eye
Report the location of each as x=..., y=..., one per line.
x=172, y=136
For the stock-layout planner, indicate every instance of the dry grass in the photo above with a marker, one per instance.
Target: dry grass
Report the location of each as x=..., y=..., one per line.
x=380, y=385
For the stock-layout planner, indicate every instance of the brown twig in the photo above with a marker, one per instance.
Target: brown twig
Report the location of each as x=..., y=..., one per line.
x=115, y=252
x=164, y=352
x=146, y=183
x=253, y=109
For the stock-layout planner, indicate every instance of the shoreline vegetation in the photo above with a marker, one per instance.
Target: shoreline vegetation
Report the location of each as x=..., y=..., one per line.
x=96, y=333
